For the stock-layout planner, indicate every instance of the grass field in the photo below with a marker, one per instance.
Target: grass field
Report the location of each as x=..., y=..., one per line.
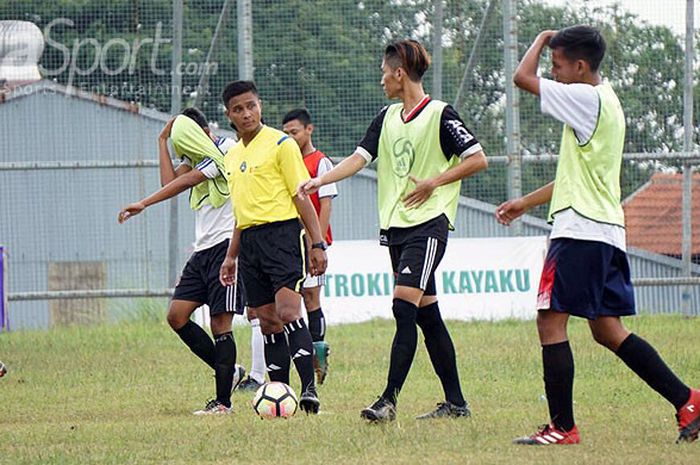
x=123, y=394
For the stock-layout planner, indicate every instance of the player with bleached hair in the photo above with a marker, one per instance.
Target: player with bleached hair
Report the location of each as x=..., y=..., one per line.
x=423, y=151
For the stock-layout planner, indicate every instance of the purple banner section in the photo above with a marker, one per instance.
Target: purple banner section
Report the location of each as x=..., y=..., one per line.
x=3, y=319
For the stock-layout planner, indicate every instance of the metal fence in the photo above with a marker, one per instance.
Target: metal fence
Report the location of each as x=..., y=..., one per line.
x=80, y=143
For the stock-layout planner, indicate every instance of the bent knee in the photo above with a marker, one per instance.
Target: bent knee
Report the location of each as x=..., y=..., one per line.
x=610, y=341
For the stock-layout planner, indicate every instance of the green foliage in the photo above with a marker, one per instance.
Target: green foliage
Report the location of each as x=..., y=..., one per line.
x=326, y=55
x=124, y=394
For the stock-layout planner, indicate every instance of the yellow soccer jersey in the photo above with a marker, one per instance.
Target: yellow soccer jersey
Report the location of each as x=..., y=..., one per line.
x=263, y=178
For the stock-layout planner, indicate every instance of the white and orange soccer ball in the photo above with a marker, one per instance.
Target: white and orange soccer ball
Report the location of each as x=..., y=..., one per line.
x=275, y=400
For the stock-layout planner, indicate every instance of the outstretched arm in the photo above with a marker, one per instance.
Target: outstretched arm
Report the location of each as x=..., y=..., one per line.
x=344, y=169
x=512, y=209
x=525, y=75
x=173, y=188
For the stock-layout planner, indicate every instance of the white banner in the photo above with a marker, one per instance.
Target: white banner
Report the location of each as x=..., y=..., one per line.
x=478, y=278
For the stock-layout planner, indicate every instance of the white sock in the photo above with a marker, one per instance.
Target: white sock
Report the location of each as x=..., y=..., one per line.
x=257, y=347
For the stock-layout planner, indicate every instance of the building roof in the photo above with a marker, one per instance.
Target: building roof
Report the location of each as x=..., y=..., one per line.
x=17, y=90
x=653, y=215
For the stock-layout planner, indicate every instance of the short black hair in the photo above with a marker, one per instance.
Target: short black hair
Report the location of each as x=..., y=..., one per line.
x=196, y=114
x=237, y=88
x=580, y=42
x=302, y=114
x=409, y=55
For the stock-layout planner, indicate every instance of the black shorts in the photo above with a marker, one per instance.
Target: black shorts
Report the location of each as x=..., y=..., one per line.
x=272, y=256
x=199, y=282
x=416, y=253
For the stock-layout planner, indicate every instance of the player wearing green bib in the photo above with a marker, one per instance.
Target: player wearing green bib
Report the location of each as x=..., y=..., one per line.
x=423, y=151
x=586, y=272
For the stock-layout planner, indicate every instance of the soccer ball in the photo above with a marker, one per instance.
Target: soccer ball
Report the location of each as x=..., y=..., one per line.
x=275, y=399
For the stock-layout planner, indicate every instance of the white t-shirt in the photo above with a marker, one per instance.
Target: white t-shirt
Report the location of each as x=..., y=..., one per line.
x=213, y=225
x=578, y=105
x=329, y=190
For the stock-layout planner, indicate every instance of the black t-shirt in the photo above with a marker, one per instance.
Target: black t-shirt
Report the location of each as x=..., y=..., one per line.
x=455, y=137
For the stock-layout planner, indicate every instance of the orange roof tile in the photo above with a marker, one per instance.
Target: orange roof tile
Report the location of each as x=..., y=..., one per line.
x=653, y=215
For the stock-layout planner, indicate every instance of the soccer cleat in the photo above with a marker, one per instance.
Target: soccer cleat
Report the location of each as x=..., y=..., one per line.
x=3, y=370
x=382, y=410
x=447, y=410
x=548, y=435
x=688, y=418
x=238, y=375
x=321, y=353
x=308, y=402
x=249, y=384
x=214, y=407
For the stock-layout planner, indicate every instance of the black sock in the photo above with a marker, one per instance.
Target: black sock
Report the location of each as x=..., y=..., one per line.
x=300, y=349
x=558, y=363
x=441, y=351
x=403, y=348
x=277, y=357
x=199, y=342
x=225, y=366
x=317, y=324
x=641, y=357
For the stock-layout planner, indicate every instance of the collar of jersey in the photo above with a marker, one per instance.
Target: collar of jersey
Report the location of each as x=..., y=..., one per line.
x=417, y=109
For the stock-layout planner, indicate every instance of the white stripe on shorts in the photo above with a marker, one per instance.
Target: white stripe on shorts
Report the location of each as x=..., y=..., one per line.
x=428, y=261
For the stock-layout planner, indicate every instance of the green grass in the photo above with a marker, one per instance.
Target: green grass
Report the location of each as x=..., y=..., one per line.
x=123, y=394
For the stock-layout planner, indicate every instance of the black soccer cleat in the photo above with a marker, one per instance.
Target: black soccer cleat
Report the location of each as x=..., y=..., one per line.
x=382, y=410
x=308, y=402
x=447, y=410
x=249, y=384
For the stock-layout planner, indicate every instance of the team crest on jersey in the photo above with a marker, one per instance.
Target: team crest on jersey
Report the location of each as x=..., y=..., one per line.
x=404, y=154
x=243, y=167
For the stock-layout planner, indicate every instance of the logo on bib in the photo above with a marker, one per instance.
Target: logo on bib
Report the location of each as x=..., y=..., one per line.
x=404, y=153
x=243, y=167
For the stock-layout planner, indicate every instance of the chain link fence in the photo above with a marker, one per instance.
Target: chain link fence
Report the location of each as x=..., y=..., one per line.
x=79, y=134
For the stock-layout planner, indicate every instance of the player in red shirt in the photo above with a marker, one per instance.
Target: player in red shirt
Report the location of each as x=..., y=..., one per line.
x=297, y=124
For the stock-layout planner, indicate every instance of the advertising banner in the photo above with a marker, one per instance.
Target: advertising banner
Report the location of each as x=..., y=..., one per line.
x=478, y=278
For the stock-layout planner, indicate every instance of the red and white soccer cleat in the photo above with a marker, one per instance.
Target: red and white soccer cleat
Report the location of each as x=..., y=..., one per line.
x=688, y=418
x=548, y=435
x=214, y=407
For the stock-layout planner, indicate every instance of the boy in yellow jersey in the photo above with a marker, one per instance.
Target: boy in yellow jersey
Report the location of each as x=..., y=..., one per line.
x=263, y=169
x=586, y=272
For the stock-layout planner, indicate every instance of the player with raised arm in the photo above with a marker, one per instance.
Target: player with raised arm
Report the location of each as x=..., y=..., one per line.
x=423, y=151
x=202, y=155
x=586, y=271
x=297, y=124
x=264, y=168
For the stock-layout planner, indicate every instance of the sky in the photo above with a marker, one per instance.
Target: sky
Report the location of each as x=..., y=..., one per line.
x=671, y=14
